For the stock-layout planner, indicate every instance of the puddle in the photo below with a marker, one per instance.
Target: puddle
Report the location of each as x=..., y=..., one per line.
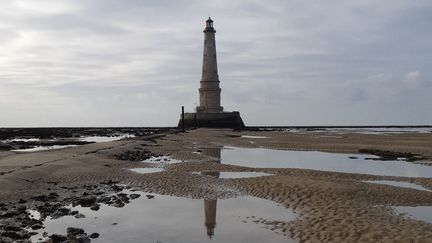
x=22, y=140
x=100, y=139
x=268, y=158
x=173, y=219
x=43, y=148
x=422, y=213
x=159, y=162
x=365, y=130
x=400, y=184
x=232, y=175
x=34, y=214
x=247, y=136
x=146, y=170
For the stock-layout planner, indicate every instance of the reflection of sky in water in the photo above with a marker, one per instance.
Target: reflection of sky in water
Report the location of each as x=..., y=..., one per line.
x=423, y=213
x=268, y=158
x=173, y=219
x=400, y=184
x=250, y=136
x=99, y=139
x=146, y=170
x=42, y=148
x=232, y=175
x=366, y=130
x=22, y=140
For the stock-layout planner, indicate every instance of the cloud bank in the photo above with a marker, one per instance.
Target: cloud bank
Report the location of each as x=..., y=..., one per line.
x=134, y=63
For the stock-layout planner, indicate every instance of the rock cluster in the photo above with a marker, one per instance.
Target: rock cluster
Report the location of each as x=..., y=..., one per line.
x=17, y=224
x=134, y=155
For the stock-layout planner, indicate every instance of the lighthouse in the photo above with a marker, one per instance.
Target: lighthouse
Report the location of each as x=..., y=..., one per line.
x=209, y=91
x=210, y=113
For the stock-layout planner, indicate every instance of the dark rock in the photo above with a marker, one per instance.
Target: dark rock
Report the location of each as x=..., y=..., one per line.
x=391, y=155
x=41, y=198
x=22, y=201
x=134, y=196
x=117, y=188
x=83, y=238
x=87, y=201
x=21, y=208
x=104, y=199
x=149, y=196
x=57, y=238
x=36, y=226
x=95, y=207
x=94, y=235
x=64, y=210
x=15, y=235
x=79, y=216
x=12, y=228
x=6, y=240
x=53, y=195
x=75, y=212
x=123, y=197
x=72, y=231
x=118, y=203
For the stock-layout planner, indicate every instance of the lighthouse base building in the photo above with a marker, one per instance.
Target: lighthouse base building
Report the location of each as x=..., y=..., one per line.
x=206, y=119
x=210, y=113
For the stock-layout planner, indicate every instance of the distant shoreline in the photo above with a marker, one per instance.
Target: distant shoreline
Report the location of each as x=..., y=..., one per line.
x=246, y=127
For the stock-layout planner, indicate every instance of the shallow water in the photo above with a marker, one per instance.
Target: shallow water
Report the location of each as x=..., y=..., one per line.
x=422, y=213
x=268, y=158
x=146, y=170
x=100, y=139
x=400, y=184
x=173, y=219
x=366, y=130
x=43, y=148
x=233, y=175
x=248, y=136
x=22, y=140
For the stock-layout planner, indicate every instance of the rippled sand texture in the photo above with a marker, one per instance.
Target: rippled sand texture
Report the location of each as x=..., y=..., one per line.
x=332, y=207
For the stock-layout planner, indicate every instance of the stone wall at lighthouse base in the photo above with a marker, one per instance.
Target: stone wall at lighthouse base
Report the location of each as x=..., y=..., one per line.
x=213, y=120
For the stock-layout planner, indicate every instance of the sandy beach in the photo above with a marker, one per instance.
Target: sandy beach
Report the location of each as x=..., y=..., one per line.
x=331, y=206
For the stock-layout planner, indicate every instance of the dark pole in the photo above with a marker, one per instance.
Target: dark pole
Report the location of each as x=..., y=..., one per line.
x=183, y=122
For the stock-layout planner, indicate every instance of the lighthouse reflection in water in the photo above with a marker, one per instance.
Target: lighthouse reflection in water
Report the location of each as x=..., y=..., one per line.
x=210, y=206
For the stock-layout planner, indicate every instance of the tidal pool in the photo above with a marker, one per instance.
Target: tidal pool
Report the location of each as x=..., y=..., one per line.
x=422, y=213
x=365, y=130
x=400, y=184
x=173, y=219
x=248, y=136
x=100, y=139
x=43, y=148
x=233, y=175
x=146, y=170
x=270, y=158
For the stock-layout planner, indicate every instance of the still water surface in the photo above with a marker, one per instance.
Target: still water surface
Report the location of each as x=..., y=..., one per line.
x=270, y=158
x=174, y=219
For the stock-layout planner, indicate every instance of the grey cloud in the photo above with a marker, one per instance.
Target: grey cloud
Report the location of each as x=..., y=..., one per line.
x=135, y=62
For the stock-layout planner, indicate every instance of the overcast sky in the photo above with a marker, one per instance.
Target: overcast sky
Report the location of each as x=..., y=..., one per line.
x=135, y=62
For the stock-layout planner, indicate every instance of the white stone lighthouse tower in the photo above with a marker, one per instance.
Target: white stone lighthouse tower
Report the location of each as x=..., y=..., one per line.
x=209, y=92
x=210, y=112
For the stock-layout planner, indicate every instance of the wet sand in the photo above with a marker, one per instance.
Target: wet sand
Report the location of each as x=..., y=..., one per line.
x=332, y=207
